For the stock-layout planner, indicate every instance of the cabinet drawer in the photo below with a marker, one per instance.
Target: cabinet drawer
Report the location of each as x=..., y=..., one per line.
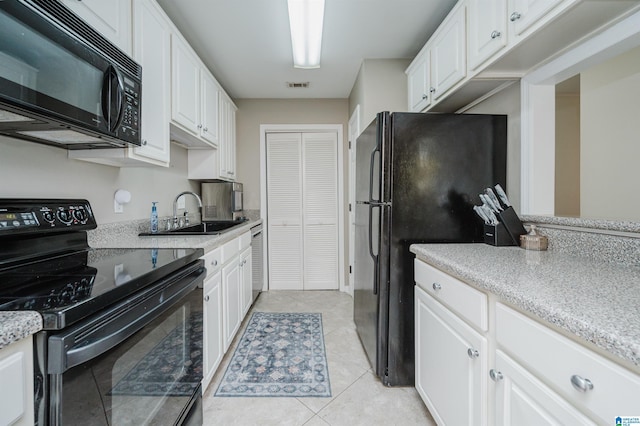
x=213, y=260
x=229, y=250
x=458, y=296
x=556, y=360
x=245, y=240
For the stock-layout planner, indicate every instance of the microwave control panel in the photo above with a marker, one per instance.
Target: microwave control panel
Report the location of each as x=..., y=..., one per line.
x=130, y=124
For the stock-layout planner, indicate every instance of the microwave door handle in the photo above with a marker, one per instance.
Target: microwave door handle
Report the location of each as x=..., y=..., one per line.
x=112, y=97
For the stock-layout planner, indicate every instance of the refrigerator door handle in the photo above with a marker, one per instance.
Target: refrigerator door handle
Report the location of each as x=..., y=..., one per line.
x=372, y=163
x=373, y=256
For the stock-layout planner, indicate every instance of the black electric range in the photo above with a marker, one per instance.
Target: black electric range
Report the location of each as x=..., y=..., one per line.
x=101, y=309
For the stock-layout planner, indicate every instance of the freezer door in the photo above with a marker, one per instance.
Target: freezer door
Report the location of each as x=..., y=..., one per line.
x=369, y=309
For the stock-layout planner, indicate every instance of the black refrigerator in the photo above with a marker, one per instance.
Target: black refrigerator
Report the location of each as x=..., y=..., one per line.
x=417, y=179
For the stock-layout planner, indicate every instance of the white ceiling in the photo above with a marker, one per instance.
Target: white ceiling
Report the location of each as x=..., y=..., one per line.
x=247, y=45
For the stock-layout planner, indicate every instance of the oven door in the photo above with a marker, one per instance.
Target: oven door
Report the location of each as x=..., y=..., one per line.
x=139, y=362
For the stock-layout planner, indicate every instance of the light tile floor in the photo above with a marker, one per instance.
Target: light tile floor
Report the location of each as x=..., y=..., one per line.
x=358, y=397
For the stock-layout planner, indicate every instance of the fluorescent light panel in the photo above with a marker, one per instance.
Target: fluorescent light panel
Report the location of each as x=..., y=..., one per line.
x=305, y=19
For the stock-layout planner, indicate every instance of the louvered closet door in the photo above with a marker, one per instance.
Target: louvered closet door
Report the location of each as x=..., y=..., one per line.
x=302, y=211
x=284, y=210
x=320, y=211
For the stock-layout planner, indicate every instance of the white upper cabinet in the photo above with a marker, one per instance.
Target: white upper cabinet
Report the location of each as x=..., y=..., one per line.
x=210, y=93
x=525, y=13
x=418, y=77
x=152, y=49
x=448, y=52
x=185, y=95
x=111, y=18
x=487, y=30
x=227, y=143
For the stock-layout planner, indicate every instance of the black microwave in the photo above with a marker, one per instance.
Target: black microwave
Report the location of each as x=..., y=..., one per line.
x=62, y=83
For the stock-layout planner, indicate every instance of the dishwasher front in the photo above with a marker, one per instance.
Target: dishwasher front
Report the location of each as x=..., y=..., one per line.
x=257, y=264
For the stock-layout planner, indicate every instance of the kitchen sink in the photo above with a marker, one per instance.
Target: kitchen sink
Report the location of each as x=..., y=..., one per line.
x=204, y=228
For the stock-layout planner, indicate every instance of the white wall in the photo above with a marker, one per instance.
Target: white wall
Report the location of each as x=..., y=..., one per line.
x=507, y=102
x=381, y=85
x=254, y=112
x=30, y=170
x=567, y=192
x=610, y=125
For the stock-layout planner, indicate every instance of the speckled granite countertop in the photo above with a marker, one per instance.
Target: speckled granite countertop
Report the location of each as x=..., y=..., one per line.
x=118, y=235
x=15, y=326
x=597, y=302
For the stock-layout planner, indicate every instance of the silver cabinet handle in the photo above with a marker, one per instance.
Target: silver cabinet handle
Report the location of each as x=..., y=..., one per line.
x=495, y=375
x=214, y=262
x=495, y=34
x=432, y=90
x=206, y=298
x=425, y=97
x=206, y=129
x=473, y=353
x=199, y=126
x=515, y=16
x=436, y=286
x=581, y=384
x=144, y=142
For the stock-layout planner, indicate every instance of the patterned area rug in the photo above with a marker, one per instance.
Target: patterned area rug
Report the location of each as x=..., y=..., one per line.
x=164, y=370
x=280, y=354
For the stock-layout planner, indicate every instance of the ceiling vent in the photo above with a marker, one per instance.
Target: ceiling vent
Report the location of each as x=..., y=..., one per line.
x=303, y=85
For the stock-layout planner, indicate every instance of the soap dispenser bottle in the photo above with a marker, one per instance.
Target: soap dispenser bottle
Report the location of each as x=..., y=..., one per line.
x=154, y=217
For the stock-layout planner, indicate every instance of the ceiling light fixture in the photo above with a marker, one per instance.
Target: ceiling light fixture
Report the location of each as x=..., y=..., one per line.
x=305, y=19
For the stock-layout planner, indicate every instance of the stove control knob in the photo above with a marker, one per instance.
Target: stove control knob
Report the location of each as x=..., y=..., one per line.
x=48, y=216
x=64, y=216
x=80, y=215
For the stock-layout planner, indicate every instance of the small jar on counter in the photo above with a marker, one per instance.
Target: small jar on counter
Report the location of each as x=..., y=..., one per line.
x=533, y=240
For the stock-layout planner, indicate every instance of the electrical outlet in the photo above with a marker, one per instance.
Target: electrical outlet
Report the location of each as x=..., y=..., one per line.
x=181, y=202
x=117, y=207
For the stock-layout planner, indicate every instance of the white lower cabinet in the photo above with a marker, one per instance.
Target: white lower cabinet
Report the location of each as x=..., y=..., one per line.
x=16, y=379
x=226, y=301
x=231, y=298
x=451, y=364
x=523, y=400
x=523, y=373
x=212, y=326
x=245, y=279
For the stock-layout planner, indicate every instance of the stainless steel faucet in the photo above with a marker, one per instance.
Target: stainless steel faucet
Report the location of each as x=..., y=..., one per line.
x=175, y=206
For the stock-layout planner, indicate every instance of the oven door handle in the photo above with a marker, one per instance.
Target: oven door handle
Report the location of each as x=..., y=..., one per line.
x=107, y=330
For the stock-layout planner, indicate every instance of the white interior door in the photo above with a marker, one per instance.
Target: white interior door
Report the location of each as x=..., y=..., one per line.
x=302, y=211
x=284, y=210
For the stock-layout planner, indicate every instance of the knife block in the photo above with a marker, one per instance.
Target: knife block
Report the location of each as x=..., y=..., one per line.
x=497, y=235
x=512, y=224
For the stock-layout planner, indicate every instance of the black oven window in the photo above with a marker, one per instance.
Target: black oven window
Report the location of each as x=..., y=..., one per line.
x=149, y=378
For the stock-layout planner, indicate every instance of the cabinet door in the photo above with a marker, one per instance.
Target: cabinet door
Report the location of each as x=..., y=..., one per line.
x=112, y=19
x=448, y=53
x=524, y=13
x=16, y=376
x=210, y=93
x=152, y=49
x=523, y=400
x=487, y=30
x=231, y=300
x=245, y=261
x=451, y=364
x=227, y=142
x=185, y=87
x=212, y=321
x=418, y=81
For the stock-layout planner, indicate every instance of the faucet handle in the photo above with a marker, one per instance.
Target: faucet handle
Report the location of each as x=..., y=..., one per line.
x=168, y=224
x=186, y=218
